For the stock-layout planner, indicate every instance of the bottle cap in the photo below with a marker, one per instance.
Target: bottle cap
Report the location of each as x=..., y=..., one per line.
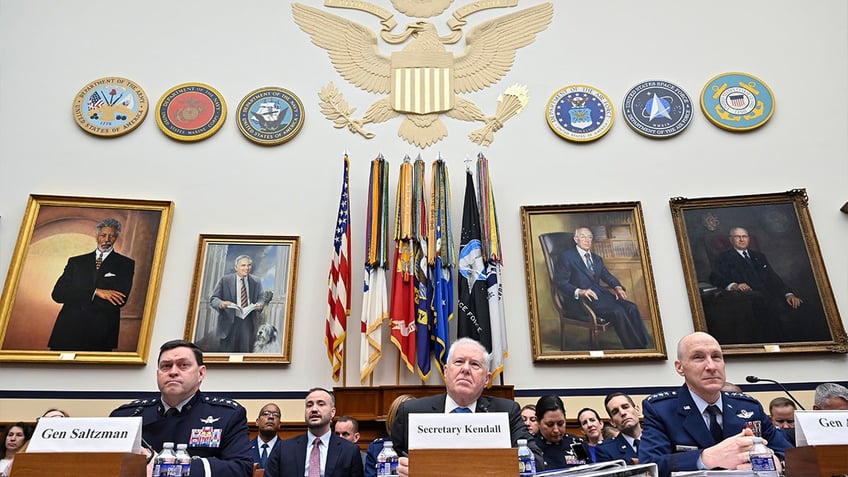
x=522, y=442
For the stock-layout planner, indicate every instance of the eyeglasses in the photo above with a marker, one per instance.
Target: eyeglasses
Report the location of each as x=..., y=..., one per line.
x=270, y=414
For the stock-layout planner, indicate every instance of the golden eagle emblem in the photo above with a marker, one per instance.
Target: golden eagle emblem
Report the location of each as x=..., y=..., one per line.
x=423, y=80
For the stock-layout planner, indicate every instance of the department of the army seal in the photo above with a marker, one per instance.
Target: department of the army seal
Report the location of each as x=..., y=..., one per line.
x=737, y=101
x=270, y=116
x=657, y=109
x=580, y=113
x=110, y=106
x=191, y=112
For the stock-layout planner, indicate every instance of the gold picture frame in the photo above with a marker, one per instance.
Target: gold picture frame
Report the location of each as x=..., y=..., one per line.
x=44, y=287
x=565, y=324
x=213, y=322
x=753, y=313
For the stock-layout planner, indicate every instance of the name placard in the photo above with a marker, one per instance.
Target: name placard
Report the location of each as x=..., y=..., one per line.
x=87, y=434
x=814, y=428
x=482, y=430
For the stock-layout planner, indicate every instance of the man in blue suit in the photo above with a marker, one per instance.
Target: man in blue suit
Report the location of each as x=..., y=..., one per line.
x=579, y=276
x=234, y=292
x=624, y=415
x=699, y=426
x=319, y=448
x=268, y=424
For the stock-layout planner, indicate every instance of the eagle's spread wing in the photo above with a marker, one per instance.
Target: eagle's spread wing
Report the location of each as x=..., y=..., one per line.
x=490, y=47
x=351, y=46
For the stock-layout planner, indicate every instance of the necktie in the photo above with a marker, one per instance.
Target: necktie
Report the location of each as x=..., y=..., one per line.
x=745, y=254
x=636, y=445
x=461, y=410
x=98, y=261
x=243, y=293
x=589, y=262
x=315, y=459
x=263, y=459
x=715, y=427
x=172, y=412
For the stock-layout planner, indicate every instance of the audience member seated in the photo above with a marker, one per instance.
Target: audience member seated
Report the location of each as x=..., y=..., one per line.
x=697, y=426
x=268, y=423
x=624, y=414
x=609, y=431
x=591, y=425
x=347, y=427
x=831, y=396
x=13, y=440
x=528, y=414
x=54, y=412
x=559, y=449
x=318, y=452
x=376, y=445
x=782, y=414
x=731, y=388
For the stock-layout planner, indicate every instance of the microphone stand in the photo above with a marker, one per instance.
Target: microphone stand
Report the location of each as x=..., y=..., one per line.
x=755, y=379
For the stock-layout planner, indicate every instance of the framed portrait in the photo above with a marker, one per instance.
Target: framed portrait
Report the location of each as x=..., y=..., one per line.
x=84, y=280
x=754, y=273
x=243, y=296
x=590, y=288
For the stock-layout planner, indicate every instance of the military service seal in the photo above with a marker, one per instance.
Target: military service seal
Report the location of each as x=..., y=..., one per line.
x=270, y=116
x=191, y=112
x=737, y=101
x=110, y=106
x=580, y=113
x=657, y=109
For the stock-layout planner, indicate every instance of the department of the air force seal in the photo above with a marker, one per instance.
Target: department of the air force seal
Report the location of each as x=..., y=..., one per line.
x=657, y=109
x=270, y=116
x=737, y=101
x=191, y=112
x=580, y=113
x=110, y=107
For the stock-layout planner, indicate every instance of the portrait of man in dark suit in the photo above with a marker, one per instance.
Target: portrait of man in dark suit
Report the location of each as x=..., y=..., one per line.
x=238, y=299
x=92, y=290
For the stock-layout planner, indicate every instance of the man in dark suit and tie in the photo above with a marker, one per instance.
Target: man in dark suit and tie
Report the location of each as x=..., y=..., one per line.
x=466, y=375
x=235, y=292
x=268, y=424
x=319, y=452
x=92, y=290
x=579, y=276
x=749, y=273
x=624, y=415
x=699, y=426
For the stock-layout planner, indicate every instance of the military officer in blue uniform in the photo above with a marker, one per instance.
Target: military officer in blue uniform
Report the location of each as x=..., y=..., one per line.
x=214, y=428
x=683, y=432
x=624, y=416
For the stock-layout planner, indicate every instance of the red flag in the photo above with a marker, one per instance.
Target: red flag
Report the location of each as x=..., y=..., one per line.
x=402, y=310
x=338, y=296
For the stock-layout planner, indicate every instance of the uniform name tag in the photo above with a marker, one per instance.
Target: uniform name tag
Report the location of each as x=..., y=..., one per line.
x=87, y=434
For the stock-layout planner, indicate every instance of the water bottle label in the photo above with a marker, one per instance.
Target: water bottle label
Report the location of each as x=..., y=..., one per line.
x=762, y=463
x=387, y=469
x=171, y=470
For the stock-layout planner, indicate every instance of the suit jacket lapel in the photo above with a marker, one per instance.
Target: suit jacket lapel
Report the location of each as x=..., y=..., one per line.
x=300, y=463
x=333, y=451
x=483, y=404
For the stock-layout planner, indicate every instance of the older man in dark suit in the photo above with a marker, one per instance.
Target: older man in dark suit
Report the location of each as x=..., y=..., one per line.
x=92, y=290
x=234, y=293
x=319, y=452
x=579, y=276
x=466, y=375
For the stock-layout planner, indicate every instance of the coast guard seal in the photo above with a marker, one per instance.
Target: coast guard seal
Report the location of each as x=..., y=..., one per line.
x=737, y=101
x=270, y=116
x=657, y=109
x=111, y=106
x=191, y=112
x=580, y=113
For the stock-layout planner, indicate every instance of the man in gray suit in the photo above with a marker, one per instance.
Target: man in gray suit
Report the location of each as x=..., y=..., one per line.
x=466, y=375
x=234, y=293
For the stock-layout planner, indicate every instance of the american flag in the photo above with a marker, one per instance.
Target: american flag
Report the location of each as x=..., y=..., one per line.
x=95, y=100
x=338, y=296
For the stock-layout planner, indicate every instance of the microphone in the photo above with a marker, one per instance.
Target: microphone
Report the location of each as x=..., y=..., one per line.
x=754, y=379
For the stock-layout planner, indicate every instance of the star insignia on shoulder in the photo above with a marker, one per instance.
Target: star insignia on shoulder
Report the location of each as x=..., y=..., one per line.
x=210, y=420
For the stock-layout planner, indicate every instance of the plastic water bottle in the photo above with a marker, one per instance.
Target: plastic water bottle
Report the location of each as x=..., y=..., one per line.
x=387, y=461
x=526, y=460
x=183, y=461
x=762, y=460
x=165, y=460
